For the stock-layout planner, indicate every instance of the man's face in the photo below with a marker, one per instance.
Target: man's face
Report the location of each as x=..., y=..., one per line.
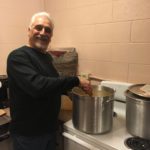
x=40, y=33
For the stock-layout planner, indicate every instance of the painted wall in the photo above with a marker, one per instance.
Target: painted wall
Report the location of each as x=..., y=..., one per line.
x=14, y=19
x=112, y=37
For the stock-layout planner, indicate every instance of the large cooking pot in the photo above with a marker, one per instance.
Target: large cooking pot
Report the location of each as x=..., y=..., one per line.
x=93, y=114
x=137, y=112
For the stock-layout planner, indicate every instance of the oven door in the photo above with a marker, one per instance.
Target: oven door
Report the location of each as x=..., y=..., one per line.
x=71, y=142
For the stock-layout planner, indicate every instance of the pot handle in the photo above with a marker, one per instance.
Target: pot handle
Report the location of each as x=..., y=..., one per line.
x=105, y=102
x=109, y=100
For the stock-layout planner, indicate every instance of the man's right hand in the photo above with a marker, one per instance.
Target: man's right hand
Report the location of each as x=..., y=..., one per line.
x=85, y=85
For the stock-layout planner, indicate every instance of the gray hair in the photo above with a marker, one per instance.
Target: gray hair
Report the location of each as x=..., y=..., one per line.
x=44, y=14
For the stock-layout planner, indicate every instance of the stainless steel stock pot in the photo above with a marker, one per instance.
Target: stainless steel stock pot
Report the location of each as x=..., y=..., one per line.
x=93, y=114
x=137, y=112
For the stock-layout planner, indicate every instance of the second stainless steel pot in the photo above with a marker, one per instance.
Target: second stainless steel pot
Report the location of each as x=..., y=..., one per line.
x=137, y=114
x=93, y=114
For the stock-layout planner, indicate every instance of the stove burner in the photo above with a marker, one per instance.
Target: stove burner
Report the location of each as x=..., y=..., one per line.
x=136, y=143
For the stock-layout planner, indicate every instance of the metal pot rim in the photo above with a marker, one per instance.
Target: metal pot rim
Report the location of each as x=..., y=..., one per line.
x=105, y=88
x=135, y=90
x=136, y=98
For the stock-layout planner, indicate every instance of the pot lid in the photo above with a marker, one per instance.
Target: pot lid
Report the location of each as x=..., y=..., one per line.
x=142, y=90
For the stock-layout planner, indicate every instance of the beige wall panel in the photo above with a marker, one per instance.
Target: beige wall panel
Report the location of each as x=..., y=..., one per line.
x=113, y=32
x=139, y=73
x=131, y=9
x=80, y=3
x=109, y=35
x=83, y=34
x=90, y=66
x=116, y=71
x=103, y=1
x=131, y=53
x=17, y=4
x=103, y=12
x=97, y=52
x=62, y=38
x=105, y=70
x=74, y=17
x=140, y=31
x=55, y=5
x=95, y=13
x=15, y=16
x=61, y=19
x=14, y=34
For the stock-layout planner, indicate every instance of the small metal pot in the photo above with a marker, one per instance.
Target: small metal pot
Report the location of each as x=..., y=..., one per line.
x=137, y=113
x=93, y=114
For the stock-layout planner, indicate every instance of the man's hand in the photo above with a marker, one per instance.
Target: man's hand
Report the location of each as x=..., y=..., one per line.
x=85, y=85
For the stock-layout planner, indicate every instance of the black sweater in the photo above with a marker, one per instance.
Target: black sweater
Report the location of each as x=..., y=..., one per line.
x=35, y=91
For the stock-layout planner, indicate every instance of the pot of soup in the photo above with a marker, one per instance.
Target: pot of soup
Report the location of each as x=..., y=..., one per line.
x=93, y=113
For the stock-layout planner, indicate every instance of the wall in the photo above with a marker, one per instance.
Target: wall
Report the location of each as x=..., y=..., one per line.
x=112, y=37
x=15, y=16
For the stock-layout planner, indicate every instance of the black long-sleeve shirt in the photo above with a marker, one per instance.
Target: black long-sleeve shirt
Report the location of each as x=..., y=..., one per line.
x=35, y=90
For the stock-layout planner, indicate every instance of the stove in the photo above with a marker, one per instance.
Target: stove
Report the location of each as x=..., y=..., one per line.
x=116, y=139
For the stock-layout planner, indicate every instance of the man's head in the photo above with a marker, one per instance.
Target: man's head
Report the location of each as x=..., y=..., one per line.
x=40, y=31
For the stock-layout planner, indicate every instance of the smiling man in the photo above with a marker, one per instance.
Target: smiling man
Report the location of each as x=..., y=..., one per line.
x=35, y=89
x=40, y=32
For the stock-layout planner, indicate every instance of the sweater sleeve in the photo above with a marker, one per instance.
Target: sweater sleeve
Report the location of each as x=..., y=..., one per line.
x=28, y=79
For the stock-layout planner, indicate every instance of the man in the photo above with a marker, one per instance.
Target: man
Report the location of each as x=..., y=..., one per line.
x=35, y=89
